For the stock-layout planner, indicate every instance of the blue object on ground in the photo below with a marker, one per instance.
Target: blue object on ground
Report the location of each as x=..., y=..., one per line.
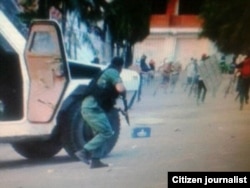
x=141, y=132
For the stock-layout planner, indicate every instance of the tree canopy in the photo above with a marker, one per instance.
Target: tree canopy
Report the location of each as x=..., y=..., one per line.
x=226, y=23
x=129, y=20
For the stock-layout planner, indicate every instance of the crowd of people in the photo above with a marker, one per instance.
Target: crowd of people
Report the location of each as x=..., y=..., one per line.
x=194, y=84
x=168, y=72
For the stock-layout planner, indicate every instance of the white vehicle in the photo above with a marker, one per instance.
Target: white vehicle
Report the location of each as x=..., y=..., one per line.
x=40, y=92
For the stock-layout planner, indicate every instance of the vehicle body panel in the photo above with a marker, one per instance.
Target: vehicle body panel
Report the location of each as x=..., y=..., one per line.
x=46, y=82
x=48, y=70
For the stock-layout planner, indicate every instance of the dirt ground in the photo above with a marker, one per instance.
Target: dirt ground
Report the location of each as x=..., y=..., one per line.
x=213, y=136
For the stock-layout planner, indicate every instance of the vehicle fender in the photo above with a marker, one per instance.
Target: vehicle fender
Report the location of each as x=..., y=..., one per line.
x=76, y=95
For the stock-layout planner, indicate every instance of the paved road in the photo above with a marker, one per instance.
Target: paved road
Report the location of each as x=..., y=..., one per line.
x=184, y=137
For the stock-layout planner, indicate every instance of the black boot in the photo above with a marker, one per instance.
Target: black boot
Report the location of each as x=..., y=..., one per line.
x=83, y=155
x=96, y=163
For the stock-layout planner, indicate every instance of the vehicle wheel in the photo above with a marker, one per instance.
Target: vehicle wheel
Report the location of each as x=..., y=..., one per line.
x=75, y=132
x=38, y=149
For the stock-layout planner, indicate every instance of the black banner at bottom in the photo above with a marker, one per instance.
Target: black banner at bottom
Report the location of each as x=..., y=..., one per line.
x=208, y=179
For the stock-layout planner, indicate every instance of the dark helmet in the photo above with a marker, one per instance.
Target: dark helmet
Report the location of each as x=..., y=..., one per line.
x=117, y=63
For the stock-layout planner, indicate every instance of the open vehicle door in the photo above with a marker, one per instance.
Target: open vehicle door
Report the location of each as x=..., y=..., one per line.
x=48, y=70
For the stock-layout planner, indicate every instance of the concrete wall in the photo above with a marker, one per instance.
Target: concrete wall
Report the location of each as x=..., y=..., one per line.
x=175, y=45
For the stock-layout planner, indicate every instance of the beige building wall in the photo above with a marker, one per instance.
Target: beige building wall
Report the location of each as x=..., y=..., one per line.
x=175, y=45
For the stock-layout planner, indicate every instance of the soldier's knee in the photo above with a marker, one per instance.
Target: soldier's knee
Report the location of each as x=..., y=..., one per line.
x=109, y=133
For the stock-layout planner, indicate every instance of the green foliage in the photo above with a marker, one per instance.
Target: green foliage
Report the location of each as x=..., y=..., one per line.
x=92, y=10
x=129, y=20
x=226, y=22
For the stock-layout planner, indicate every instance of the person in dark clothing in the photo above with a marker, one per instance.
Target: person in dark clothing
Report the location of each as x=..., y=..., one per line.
x=201, y=85
x=201, y=88
x=244, y=80
x=144, y=66
x=104, y=91
x=145, y=72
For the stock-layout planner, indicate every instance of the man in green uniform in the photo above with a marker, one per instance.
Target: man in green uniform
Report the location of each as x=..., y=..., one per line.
x=101, y=97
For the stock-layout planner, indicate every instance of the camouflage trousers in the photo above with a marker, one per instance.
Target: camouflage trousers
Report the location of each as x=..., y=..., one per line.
x=100, y=125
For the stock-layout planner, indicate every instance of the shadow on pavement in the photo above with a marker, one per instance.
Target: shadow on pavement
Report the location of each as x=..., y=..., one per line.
x=26, y=163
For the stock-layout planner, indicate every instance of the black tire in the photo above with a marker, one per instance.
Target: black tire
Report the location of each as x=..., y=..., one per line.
x=38, y=149
x=75, y=133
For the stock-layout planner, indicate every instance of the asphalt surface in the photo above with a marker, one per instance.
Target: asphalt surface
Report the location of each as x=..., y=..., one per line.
x=213, y=136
